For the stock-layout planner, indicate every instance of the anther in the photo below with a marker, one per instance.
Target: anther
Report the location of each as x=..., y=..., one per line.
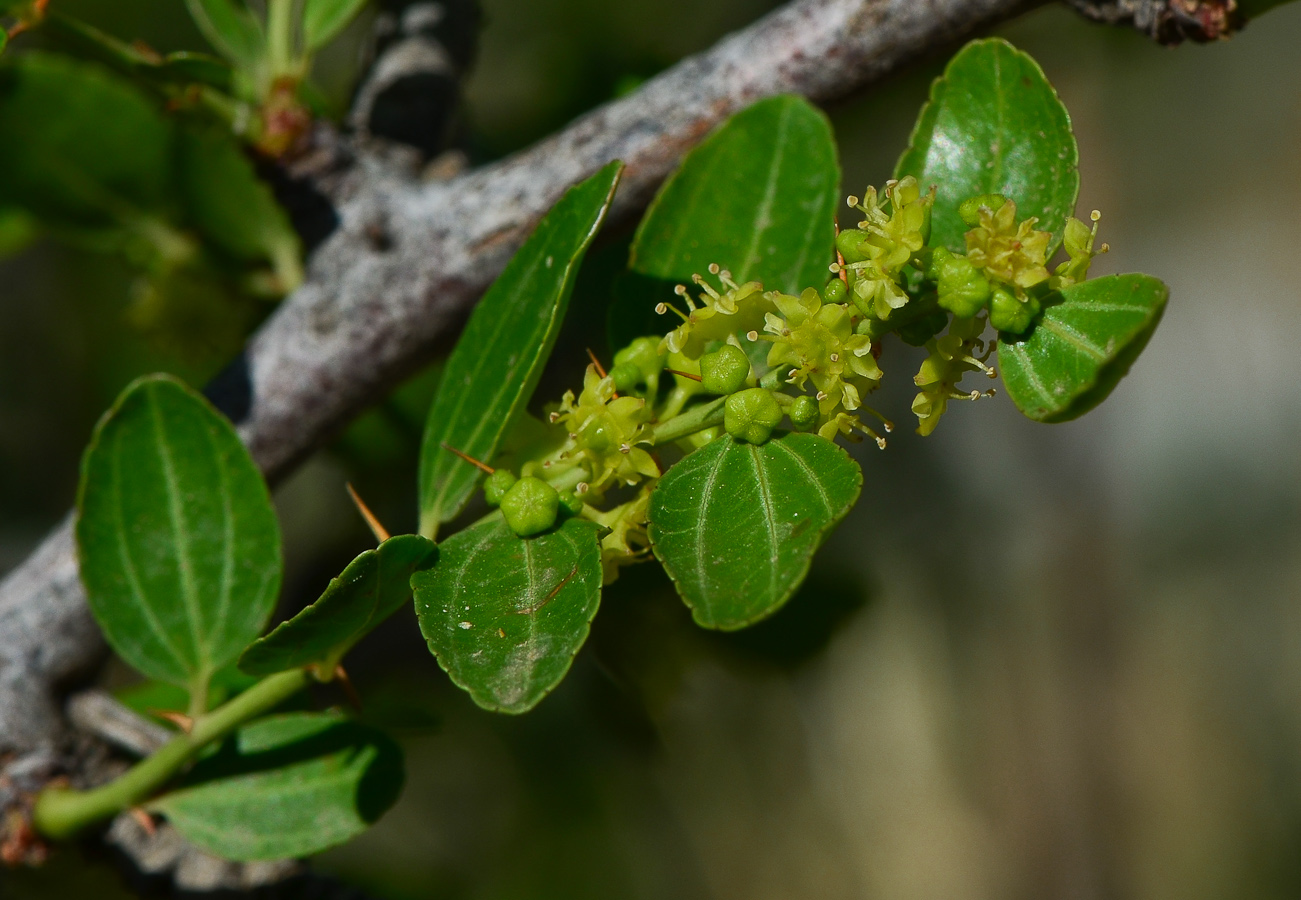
x=714, y=269
x=582, y=488
x=752, y=335
x=1095, y=215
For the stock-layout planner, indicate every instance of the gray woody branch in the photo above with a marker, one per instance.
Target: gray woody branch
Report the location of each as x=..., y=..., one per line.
x=410, y=257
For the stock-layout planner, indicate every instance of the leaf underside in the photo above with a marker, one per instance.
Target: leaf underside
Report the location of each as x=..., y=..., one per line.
x=736, y=524
x=178, y=542
x=372, y=587
x=1082, y=346
x=505, y=615
x=287, y=786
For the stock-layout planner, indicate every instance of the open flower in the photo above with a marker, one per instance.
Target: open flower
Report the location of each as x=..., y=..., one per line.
x=1010, y=252
x=736, y=310
x=949, y=358
x=817, y=341
x=608, y=433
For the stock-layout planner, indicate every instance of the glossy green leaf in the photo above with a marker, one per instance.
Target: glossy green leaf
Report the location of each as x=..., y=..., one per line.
x=104, y=161
x=497, y=362
x=231, y=29
x=758, y=197
x=504, y=614
x=373, y=587
x=232, y=207
x=736, y=524
x=1083, y=346
x=287, y=786
x=994, y=125
x=323, y=19
x=179, y=546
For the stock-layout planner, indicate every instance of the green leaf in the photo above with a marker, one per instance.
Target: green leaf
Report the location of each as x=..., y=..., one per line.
x=373, y=587
x=17, y=230
x=497, y=362
x=736, y=524
x=82, y=149
x=323, y=19
x=179, y=546
x=181, y=68
x=231, y=29
x=758, y=197
x=504, y=614
x=232, y=207
x=287, y=786
x=994, y=125
x=1083, y=346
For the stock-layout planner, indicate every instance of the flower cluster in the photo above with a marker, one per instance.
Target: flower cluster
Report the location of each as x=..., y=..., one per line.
x=817, y=342
x=736, y=310
x=607, y=432
x=885, y=241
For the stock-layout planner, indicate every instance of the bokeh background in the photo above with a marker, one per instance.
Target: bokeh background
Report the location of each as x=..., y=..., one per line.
x=1035, y=662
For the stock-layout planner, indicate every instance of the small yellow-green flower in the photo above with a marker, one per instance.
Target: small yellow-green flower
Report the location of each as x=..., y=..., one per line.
x=607, y=433
x=884, y=243
x=738, y=309
x=1078, y=241
x=1010, y=252
x=817, y=341
x=949, y=358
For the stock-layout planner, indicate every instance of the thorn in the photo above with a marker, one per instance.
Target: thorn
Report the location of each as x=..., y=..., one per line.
x=470, y=459
x=144, y=820
x=380, y=532
x=684, y=374
x=348, y=690
x=549, y=597
x=180, y=720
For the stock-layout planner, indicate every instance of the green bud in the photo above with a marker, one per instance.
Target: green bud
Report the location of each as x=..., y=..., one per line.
x=496, y=486
x=626, y=377
x=804, y=412
x=1007, y=313
x=644, y=353
x=530, y=506
x=835, y=291
x=571, y=503
x=850, y=244
x=970, y=208
x=751, y=415
x=917, y=332
x=775, y=379
x=725, y=370
x=963, y=290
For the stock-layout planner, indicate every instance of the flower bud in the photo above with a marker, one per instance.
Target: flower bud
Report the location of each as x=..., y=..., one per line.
x=644, y=353
x=530, y=506
x=725, y=370
x=571, y=503
x=962, y=289
x=852, y=245
x=751, y=415
x=970, y=208
x=626, y=377
x=804, y=412
x=1007, y=313
x=835, y=291
x=496, y=486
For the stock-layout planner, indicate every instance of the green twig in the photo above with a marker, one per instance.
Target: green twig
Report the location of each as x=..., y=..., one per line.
x=61, y=813
x=698, y=418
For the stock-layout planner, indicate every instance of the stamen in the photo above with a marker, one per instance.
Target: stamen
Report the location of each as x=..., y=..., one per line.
x=470, y=459
x=582, y=488
x=1095, y=215
x=714, y=269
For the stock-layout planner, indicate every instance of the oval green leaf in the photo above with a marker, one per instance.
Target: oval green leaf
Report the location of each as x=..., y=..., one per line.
x=736, y=524
x=1082, y=346
x=505, y=615
x=758, y=197
x=232, y=31
x=287, y=786
x=323, y=19
x=994, y=125
x=373, y=586
x=497, y=362
x=178, y=542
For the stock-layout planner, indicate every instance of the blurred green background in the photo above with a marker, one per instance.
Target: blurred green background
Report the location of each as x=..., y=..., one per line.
x=1035, y=662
